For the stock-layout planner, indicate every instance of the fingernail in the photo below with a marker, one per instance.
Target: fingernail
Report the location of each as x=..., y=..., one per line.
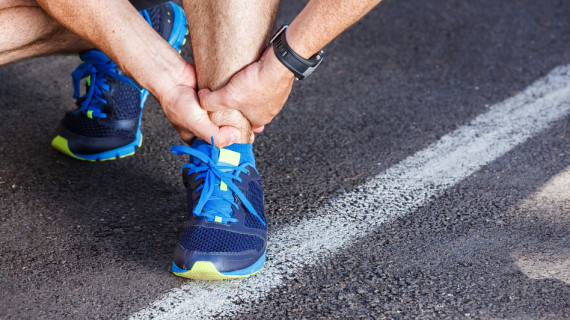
x=234, y=137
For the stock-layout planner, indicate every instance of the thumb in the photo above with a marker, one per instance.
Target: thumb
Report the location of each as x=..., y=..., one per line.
x=212, y=100
x=228, y=135
x=205, y=130
x=258, y=129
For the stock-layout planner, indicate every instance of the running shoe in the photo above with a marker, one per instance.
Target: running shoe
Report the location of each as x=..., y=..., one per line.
x=107, y=123
x=225, y=232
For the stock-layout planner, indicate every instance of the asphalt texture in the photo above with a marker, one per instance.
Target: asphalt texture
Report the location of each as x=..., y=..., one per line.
x=95, y=240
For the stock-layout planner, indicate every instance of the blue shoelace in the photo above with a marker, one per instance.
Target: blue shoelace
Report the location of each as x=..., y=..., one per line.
x=213, y=202
x=96, y=67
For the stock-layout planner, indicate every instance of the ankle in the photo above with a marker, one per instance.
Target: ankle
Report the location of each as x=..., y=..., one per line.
x=234, y=118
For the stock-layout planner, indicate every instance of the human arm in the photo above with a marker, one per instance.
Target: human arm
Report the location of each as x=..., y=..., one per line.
x=116, y=28
x=260, y=90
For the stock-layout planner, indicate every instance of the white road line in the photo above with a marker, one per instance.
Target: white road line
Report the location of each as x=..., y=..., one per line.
x=397, y=192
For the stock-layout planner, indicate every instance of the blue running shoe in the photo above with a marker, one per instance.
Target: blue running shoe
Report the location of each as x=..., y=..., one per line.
x=225, y=233
x=107, y=124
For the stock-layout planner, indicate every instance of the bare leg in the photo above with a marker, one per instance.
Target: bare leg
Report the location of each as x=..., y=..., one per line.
x=27, y=31
x=227, y=36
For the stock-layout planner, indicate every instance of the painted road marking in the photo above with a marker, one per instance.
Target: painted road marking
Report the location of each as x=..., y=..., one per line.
x=397, y=192
x=551, y=258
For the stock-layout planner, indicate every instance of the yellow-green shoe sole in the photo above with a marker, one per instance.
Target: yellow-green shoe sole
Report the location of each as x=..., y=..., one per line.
x=205, y=270
x=62, y=145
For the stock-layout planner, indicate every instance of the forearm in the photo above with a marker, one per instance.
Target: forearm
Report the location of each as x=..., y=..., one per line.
x=117, y=29
x=260, y=90
x=323, y=20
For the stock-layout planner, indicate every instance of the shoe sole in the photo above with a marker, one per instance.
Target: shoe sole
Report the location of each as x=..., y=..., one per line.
x=61, y=144
x=205, y=270
x=176, y=39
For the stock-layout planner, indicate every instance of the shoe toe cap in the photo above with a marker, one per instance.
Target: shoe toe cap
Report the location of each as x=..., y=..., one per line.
x=223, y=262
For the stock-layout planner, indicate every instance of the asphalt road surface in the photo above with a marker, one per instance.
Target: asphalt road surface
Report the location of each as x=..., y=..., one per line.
x=422, y=172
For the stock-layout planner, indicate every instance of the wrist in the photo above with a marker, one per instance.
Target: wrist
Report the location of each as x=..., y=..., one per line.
x=300, y=66
x=297, y=42
x=276, y=67
x=167, y=73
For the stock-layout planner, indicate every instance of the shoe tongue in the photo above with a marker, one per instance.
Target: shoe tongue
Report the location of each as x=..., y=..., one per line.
x=231, y=156
x=245, y=151
x=201, y=146
x=226, y=158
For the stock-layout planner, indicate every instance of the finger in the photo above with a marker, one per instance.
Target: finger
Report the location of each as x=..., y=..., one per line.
x=205, y=130
x=185, y=136
x=228, y=135
x=258, y=129
x=213, y=100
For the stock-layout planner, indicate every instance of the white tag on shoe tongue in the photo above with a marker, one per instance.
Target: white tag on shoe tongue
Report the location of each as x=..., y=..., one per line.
x=227, y=158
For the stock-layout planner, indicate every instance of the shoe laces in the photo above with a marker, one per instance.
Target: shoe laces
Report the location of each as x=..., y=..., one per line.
x=96, y=67
x=213, y=202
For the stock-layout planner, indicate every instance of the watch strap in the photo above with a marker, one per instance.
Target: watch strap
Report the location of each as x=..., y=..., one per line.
x=300, y=66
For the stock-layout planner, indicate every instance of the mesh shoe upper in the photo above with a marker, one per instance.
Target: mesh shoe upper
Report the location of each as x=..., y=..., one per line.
x=123, y=102
x=216, y=240
x=114, y=96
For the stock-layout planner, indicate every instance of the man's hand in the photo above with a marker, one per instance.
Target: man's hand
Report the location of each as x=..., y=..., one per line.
x=180, y=105
x=259, y=91
x=144, y=56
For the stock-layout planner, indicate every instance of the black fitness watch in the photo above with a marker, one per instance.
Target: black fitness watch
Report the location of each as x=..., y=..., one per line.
x=300, y=66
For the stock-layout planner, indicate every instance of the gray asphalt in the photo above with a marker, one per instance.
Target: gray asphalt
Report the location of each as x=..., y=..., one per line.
x=95, y=240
